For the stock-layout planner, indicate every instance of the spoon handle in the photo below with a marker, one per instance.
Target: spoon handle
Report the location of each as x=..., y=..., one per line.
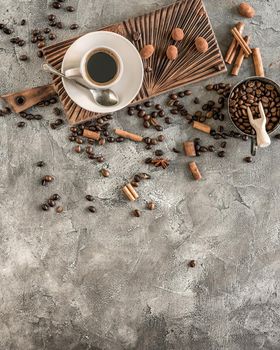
x=51, y=69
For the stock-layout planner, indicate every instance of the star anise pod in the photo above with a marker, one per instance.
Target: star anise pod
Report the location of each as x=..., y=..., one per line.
x=160, y=162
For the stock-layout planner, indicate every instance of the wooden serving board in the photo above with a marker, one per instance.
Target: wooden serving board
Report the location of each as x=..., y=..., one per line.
x=155, y=28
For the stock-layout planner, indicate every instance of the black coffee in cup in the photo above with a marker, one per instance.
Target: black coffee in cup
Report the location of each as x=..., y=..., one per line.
x=102, y=67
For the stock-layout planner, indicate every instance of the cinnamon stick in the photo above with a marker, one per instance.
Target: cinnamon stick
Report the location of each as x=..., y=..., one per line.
x=130, y=192
x=195, y=171
x=241, y=42
x=202, y=127
x=189, y=148
x=257, y=58
x=129, y=135
x=91, y=134
x=239, y=59
x=231, y=52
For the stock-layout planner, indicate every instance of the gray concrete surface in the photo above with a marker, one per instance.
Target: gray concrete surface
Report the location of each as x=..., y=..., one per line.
x=110, y=281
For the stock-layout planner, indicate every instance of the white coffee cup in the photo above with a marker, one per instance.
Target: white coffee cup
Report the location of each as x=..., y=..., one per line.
x=97, y=68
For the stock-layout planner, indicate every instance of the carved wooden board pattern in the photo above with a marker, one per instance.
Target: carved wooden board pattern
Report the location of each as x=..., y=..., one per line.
x=155, y=28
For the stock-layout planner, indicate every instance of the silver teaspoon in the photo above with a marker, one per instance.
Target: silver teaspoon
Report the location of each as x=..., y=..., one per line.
x=105, y=98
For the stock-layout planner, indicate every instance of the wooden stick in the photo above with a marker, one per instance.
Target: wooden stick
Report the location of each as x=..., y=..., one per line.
x=231, y=52
x=257, y=58
x=239, y=59
x=202, y=127
x=129, y=135
x=195, y=171
x=189, y=148
x=91, y=134
x=241, y=42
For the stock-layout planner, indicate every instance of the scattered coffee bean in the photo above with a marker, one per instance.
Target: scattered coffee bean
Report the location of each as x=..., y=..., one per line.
x=248, y=159
x=192, y=263
x=151, y=205
x=105, y=172
x=89, y=198
x=181, y=94
x=224, y=144
x=74, y=26
x=21, y=124
x=45, y=207
x=59, y=209
x=196, y=100
x=55, y=197
x=70, y=9
x=221, y=154
x=40, y=53
x=187, y=92
x=56, y=5
x=40, y=164
x=211, y=148
x=21, y=43
x=52, y=36
x=51, y=203
x=136, y=213
x=23, y=22
x=23, y=57
x=160, y=138
x=77, y=149
x=92, y=209
x=59, y=25
x=148, y=160
x=159, y=153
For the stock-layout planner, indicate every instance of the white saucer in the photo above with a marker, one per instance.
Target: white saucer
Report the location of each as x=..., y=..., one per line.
x=128, y=86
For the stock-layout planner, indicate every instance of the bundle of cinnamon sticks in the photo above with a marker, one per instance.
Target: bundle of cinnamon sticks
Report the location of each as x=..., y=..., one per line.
x=240, y=44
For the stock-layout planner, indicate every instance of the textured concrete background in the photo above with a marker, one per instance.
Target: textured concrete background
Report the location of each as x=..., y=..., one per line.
x=110, y=281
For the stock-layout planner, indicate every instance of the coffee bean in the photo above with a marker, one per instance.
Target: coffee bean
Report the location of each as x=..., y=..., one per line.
x=148, y=104
x=89, y=198
x=175, y=150
x=59, y=25
x=48, y=178
x=59, y=209
x=136, y=213
x=38, y=117
x=77, y=149
x=7, y=31
x=70, y=9
x=52, y=23
x=47, y=30
x=158, y=127
x=160, y=138
x=196, y=100
x=248, y=159
x=51, y=203
x=211, y=148
x=173, y=97
x=23, y=58
x=55, y=197
x=168, y=120
x=45, y=207
x=21, y=124
x=141, y=114
x=203, y=149
x=181, y=94
x=224, y=144
x=192, y=263
x=209, y=87
x=161, y=113
x=187, y=92
x=105, y=172
x=158, y=107
x=23, y=22
x=148, y=160
x=221, y=154
x=92, y=209
x=74, y=26
x=40, y=54
x=159, y=153
x=131, y=111
x=21, y=43
x=52, y=36
x=245, y=137
x=51, y=17
x=151, y=206
x=41, y=44
x=56, y=5
x=174, y=111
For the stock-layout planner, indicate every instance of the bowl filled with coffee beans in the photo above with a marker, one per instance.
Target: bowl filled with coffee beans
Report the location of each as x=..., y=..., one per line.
x=249, y=93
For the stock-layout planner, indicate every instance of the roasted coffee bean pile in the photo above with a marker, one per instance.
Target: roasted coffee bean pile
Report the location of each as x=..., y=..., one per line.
x=249, y=95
